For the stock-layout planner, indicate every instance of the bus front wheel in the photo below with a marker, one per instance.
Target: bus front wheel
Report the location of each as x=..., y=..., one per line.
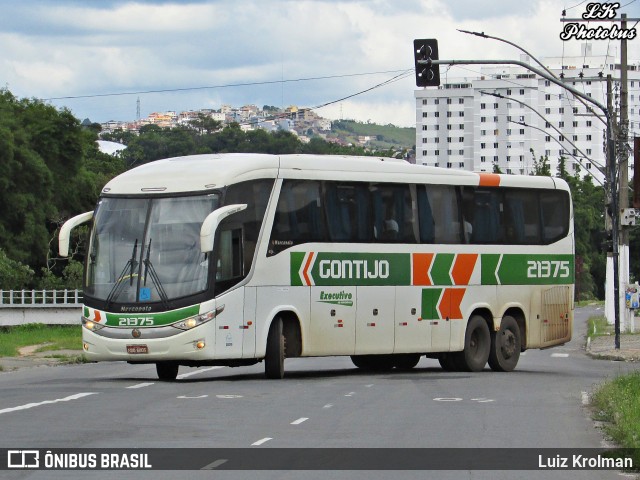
x=477, y=346
x=167, y=371
x=505, y=346
x=274, y=357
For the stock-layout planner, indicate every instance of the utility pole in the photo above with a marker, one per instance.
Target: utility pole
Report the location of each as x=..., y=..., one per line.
x=623, y=156
x=618, y=183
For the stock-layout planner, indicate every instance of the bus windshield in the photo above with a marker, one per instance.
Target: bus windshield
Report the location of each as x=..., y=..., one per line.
x=148, y=249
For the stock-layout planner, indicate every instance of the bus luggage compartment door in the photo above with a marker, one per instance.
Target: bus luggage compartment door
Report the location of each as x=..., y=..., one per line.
x=556, y=315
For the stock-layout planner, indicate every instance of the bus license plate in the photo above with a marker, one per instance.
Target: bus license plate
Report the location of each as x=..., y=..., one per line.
x=137, y=349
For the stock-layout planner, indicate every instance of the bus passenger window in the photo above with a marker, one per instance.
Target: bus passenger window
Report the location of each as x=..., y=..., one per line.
x=439, y=214
x=299, y=217
x=522, y=218
x=487, y=217
x=554, y=207
x=348, y=215
x=393, y=215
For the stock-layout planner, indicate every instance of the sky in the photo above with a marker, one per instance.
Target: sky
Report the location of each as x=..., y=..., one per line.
x=96, y=58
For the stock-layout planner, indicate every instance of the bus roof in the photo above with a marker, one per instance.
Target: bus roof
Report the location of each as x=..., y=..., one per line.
x=211, y=171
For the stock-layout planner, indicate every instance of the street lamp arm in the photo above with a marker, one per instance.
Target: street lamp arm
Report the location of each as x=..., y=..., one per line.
x=504, y=40
x=537, y=71
x=600, y=168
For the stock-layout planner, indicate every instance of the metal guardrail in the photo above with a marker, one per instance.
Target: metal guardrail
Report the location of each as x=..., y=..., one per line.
x=40, y=298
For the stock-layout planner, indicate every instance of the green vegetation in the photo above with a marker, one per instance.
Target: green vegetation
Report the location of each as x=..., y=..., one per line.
x=386, y=136
x=50, y=169
x=617, y=403
x=598, y=326
x=56, y=337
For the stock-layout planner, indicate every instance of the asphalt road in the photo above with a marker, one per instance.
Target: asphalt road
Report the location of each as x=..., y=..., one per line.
x=322, y=403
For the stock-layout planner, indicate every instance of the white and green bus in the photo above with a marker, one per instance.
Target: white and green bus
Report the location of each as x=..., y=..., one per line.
x=234, y=259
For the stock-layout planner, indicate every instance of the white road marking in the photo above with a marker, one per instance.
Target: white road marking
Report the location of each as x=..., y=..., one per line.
x=445, y=399
x=299, y=421
x=215, y=464
x=197, y=396
x=559, y=355
x=228, y=396
x=46, y=402
x=328, y=405
x=141, y=385
x=369, y=386
x=350, y=394
x=482, y=400
x=261, y=441
x=196, y=372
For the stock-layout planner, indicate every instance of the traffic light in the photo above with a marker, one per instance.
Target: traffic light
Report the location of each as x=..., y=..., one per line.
x=424, y=52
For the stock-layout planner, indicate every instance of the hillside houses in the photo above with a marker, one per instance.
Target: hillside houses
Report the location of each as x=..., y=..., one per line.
x=302, y=122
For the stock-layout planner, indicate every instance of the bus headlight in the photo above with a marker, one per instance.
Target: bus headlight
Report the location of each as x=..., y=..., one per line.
x=191, y=322
x=91, y=325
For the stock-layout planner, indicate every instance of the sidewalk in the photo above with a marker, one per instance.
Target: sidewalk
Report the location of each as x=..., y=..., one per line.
x=40, y=359
x=603, y=347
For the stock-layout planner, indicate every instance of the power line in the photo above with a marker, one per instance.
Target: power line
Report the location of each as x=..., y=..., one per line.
x=229, y=85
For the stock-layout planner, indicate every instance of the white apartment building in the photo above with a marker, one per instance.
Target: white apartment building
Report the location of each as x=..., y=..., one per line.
x=460, y=125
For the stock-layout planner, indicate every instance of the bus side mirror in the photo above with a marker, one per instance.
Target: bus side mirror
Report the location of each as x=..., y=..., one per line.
x=65, y=231
x=210, y=224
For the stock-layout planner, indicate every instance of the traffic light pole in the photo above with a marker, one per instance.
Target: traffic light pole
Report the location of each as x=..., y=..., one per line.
x=612, y=175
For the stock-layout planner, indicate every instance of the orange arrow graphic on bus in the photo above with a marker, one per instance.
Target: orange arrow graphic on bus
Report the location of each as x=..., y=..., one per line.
x=421, y=266
x=463, y=268
x=449, y=306
x=307, y=267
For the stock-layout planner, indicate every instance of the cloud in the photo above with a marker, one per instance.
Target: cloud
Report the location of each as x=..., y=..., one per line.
x=72, y=47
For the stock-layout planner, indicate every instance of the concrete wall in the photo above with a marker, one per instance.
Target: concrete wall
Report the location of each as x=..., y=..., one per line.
x=50, y=316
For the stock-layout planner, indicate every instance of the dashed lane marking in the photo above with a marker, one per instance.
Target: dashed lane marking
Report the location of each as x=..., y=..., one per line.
x=261, y=441
x=196, y=372
x=299, y=421
x=559, y=355
x=328, y=405
x=189, y=397
x=27, y=406
x=140, y=385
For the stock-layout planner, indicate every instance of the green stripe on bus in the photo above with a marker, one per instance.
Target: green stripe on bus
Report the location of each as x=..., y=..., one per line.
x=296, y=263
x=526, y=269
x=441, y=268
x=430, y=298
x=156, y=318
x=351, y=269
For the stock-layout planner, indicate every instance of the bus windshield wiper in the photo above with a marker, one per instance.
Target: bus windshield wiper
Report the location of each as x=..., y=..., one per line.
x=149, y=270
x=119, y=285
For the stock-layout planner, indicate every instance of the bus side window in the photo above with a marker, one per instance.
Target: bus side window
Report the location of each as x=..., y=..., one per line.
x=298, y=218
x=425, y=216
x=522, y=219
x=255, y=193
x=347, y=212
x=487, y=217
x=554, y=211
x=439, y=214
x=393, y=215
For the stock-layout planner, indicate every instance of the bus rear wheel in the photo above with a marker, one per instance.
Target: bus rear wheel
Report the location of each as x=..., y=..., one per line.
x=274, y=357
x=505, y=346
x=167, y=371
x=447, y=362
x=406, y=361
x=477, y=346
